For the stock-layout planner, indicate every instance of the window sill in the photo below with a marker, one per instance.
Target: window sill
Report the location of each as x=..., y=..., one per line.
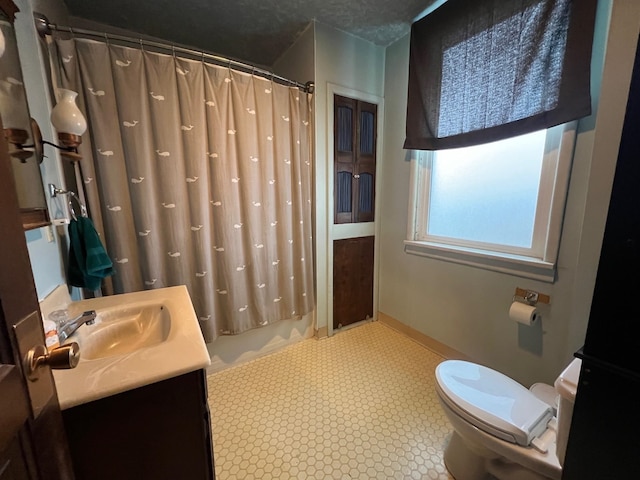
x=498, y=262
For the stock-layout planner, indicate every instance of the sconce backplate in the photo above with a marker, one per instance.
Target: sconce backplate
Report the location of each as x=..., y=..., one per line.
x=37, y=141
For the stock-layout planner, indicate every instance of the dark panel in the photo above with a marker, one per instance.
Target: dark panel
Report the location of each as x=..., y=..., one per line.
x=12, y=463
x=604, y=442
x=614, y=337
x=365, y=203
x=343, y=192
x=352, y=280
x=344, y=131
x=158, y=431
x=367, y=132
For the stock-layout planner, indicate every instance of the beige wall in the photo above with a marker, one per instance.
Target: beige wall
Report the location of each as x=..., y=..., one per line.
x=466, y=308
x=298, y=62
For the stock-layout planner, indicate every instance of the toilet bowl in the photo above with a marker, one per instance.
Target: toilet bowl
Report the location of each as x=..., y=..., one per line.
x=502, y=428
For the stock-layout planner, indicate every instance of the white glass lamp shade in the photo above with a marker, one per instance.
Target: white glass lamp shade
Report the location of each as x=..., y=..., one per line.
x=66, y=117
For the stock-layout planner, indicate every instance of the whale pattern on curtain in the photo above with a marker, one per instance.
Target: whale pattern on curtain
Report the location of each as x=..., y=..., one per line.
x=198, y=175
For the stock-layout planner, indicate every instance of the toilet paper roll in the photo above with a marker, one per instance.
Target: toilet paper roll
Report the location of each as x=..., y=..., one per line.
x=523, y=313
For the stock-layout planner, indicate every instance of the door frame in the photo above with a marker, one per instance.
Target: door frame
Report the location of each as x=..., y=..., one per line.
x=350, y=230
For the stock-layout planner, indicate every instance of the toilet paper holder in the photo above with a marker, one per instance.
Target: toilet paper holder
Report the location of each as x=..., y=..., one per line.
x=530, y=297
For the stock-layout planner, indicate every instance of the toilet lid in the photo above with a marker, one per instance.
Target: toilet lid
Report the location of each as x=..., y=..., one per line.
x=492, y=401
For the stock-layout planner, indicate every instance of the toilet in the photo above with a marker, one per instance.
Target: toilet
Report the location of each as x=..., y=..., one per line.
x=502, y=428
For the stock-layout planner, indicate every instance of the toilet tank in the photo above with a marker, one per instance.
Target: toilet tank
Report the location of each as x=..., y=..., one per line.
x=566, y=385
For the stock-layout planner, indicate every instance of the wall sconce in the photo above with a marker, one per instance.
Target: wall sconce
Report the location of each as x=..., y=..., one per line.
x=15, y=117
x=67, y=119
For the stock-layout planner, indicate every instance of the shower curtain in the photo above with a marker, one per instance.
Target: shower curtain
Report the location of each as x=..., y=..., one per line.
x=200, y=175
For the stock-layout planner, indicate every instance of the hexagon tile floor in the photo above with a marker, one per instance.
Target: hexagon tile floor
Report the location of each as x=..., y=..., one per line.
x=358, y=405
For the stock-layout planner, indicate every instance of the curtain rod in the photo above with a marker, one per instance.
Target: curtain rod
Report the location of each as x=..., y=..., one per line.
x=44, y=27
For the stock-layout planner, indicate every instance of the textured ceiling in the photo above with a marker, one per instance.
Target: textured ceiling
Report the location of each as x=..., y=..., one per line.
x=257, y=31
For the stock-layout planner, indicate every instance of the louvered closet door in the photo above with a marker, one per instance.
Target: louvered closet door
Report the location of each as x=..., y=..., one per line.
x=365, y=163
x=345, y=114
x=355, y=127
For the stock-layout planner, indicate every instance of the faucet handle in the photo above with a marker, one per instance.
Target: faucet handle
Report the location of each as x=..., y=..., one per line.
x=64, y=357
x=89, y=317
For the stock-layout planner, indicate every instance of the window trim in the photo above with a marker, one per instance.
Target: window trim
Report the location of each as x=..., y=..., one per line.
x=555, y=174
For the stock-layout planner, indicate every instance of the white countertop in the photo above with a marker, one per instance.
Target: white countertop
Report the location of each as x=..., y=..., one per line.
x=183, y=350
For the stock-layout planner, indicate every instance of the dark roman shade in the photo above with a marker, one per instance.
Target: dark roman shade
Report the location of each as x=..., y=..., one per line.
x=485, y=70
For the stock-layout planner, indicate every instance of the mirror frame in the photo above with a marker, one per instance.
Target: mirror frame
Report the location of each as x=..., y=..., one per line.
x=31, y=217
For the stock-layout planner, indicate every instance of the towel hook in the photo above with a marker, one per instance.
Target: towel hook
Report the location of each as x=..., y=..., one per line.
x=55, y=191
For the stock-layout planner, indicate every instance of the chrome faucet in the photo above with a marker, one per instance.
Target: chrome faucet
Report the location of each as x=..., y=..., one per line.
x=69, y=328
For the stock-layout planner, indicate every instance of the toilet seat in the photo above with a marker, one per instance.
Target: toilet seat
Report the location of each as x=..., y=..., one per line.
x=492, y=401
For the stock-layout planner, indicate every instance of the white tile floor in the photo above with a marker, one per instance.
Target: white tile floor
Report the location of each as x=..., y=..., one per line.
x=358, y=405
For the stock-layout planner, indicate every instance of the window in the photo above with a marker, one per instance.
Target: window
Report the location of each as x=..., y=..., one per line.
x=497, y=205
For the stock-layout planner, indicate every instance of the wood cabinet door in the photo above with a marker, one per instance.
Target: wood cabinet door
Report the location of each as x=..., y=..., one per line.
x=352, y=280
x=355, y=136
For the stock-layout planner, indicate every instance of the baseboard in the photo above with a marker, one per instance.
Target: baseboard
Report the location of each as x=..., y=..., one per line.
x=419, y=337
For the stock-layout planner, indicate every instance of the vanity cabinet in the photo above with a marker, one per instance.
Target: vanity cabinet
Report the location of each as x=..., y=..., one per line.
x=159, y=431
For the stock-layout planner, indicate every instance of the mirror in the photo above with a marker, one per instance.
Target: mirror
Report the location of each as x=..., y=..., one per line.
x=17, y=125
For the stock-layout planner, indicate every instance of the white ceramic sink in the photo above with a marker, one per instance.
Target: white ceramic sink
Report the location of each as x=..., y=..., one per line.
x=137, y=339
x=122, y=330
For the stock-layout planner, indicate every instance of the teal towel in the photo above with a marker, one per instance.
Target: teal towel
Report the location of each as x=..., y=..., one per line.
x=88, y=260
